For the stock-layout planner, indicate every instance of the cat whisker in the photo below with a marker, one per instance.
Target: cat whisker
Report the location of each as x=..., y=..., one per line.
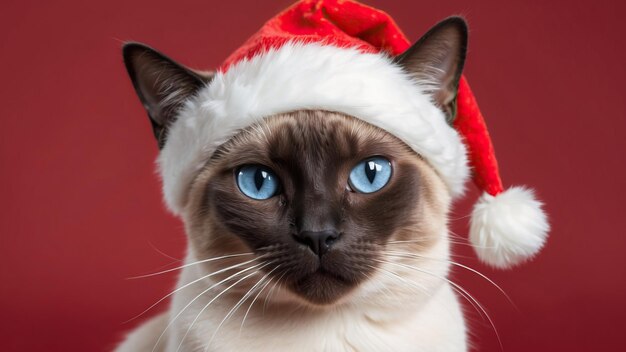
x=271, y=292
x=198, y=296
x=374, y=251
x=424, y=291
x=465, y=239
x=189, y=284
x=421, y=240
x=213, y=300
x=458, y=288
x=238, y=304
x=252, y=303
x=470, y=269
x=163, y=253
x=453, y=234
x=419, y=290
x=462, y=241
x=369, y=278
x=191, y=264
x=460, y=218
x=412, y=284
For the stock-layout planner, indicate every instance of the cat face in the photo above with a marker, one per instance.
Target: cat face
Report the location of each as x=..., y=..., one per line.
x=318, y=197
x=324, y=204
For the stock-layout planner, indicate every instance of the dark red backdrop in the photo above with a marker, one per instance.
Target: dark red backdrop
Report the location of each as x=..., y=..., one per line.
x=81, y=206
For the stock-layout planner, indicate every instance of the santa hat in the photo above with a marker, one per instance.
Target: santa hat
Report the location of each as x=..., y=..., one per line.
x=339, y=56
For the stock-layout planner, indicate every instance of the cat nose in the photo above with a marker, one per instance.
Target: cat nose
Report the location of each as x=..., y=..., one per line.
x=318, y=241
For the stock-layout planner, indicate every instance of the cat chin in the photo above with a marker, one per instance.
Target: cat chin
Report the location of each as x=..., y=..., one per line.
x=322, y=288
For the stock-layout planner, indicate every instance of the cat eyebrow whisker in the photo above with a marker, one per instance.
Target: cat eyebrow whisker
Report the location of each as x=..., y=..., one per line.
x=458, y=288
x=199, y=295
x=190, y=264
x=189, y=284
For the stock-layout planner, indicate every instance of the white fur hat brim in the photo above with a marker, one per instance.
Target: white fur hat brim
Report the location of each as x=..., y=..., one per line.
x=298, y=76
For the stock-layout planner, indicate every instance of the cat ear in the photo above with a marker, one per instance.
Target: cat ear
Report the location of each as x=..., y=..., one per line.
x=161, y=84
x=437, y=60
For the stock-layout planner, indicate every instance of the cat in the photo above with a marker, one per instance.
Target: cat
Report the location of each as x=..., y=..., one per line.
x=309, y=230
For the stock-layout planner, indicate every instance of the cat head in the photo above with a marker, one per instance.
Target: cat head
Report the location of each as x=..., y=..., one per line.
x=324, y=202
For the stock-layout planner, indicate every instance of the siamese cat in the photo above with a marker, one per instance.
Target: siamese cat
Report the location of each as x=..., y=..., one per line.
x=309, y=230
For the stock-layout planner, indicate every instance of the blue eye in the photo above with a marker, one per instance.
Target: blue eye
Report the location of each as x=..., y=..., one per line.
x=257, y=182
x=370, y=175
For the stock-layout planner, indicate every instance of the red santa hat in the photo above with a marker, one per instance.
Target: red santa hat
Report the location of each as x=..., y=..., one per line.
x=338, y=56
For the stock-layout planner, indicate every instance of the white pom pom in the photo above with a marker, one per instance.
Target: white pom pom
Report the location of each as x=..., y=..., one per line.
x=509, y=228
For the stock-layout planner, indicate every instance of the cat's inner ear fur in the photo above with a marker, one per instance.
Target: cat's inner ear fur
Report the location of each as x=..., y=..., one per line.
x=436, y=61
x=161, y=84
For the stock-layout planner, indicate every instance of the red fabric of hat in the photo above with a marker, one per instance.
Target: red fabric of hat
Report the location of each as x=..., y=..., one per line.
x=352, y=24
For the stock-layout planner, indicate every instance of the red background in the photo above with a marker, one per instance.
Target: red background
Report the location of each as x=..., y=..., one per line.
x=81, y=206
